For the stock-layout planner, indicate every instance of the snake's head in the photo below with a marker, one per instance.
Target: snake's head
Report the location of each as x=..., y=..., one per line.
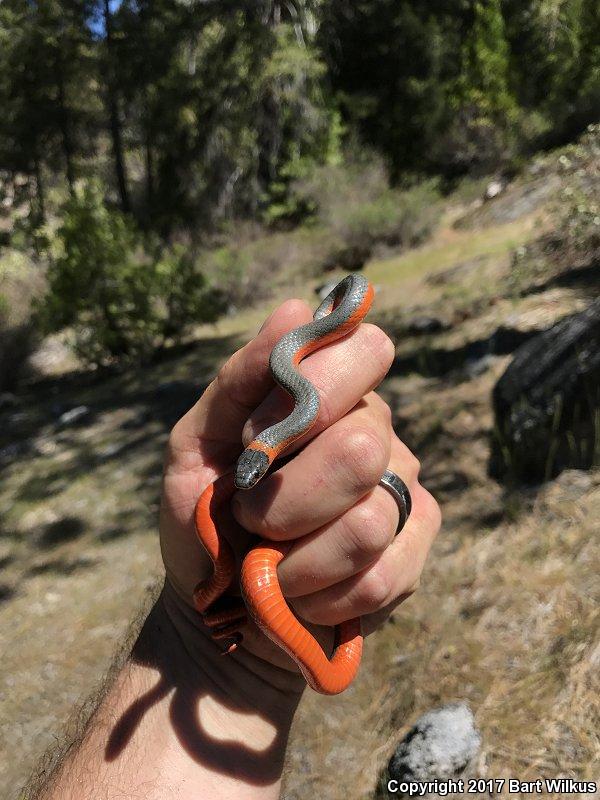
x=250, y=468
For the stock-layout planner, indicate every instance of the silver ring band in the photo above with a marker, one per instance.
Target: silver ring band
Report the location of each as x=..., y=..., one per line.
x=399, y=491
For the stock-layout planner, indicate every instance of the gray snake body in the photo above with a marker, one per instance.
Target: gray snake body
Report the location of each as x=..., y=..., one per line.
x=340, y=312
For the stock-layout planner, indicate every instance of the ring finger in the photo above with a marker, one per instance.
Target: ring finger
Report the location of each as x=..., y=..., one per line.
x=364, y=577
x=351, y=542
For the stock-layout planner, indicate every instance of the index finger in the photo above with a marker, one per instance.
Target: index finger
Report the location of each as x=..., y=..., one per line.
x=217, y=419
x=342, y=372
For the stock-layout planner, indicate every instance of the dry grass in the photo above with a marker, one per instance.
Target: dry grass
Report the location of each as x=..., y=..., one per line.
x=506, y=619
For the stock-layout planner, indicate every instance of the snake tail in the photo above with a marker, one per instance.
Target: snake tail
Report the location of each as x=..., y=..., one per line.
x=269, y=610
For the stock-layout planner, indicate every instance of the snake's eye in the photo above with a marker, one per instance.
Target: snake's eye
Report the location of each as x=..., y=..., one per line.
x=250, y=468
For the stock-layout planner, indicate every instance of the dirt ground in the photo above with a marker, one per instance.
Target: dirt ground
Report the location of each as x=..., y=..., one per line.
x=506, y=619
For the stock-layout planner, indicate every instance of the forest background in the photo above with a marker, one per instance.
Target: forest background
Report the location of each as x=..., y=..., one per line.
x=166, y=136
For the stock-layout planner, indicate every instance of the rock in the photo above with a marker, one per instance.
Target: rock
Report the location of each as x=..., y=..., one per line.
x=493, y=189
x=441, y=745
x=12, y=451
x=53, y=356
x=73, y=415
x=111, y=450
x=423, y=324
x=7, y=400
x=547, y=402
x=325, y=288
x=474, y=367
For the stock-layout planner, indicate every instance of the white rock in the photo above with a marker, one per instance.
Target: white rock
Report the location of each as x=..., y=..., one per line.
x=493, y=189
x=73, y=415
x=441, y=745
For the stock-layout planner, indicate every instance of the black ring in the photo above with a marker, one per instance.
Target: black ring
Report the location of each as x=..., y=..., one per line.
x=399, y=491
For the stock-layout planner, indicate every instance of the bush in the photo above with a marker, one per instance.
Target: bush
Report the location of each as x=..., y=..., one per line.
x=360, y=210
x=122, y=296
x=241, y=280
x=352, y=211
x=21, y=281
x=474, y=143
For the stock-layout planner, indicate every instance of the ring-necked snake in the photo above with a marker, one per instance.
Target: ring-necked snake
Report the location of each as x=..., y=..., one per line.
x=340, y=312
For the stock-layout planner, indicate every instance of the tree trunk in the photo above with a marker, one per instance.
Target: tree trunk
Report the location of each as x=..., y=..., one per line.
x=64, y=122
x=40, y=194
x=149, y=156
x=113, y=113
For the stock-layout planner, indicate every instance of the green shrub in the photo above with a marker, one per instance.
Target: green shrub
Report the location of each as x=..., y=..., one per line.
x=578, y=206
x=353, y=210
x=122, y=297
x=231, y=267
x=395, y=217
x=21, y=281
x=358, y=208
x=580, y=227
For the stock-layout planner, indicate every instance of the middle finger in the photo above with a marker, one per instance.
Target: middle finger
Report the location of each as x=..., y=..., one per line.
x=329, y=476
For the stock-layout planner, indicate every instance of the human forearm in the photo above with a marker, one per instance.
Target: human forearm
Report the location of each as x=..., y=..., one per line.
x=180, y=719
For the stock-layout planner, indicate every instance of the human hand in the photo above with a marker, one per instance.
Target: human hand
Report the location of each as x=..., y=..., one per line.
x=344, y=560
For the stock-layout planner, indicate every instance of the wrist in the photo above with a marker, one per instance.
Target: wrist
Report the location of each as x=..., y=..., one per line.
x=242, y=679
x=179, y=718
x=219, y=725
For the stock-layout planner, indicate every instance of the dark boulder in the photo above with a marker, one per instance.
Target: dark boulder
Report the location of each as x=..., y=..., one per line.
x=547, y=403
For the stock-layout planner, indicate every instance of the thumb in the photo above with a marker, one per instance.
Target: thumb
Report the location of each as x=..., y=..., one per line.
x=211, y=431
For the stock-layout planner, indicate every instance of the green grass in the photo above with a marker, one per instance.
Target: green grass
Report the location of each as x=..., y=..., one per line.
x=454, y=248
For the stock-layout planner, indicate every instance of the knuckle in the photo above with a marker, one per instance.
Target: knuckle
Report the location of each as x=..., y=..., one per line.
x=382, y=408
x=174, y=437
x=229, y=374
x=374, y=589
x=175, y=444
x=369, y=530
x=327, y=414
x=223, y=378
x=386, y=412
x=408, y=463
x=380, y=345
x=414, y=466
x=366, y=456
x=411, y=466
x=430, y=510
x=224, y=374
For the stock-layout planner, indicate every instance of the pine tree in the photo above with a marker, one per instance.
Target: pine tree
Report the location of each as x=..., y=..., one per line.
x=484, y=80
